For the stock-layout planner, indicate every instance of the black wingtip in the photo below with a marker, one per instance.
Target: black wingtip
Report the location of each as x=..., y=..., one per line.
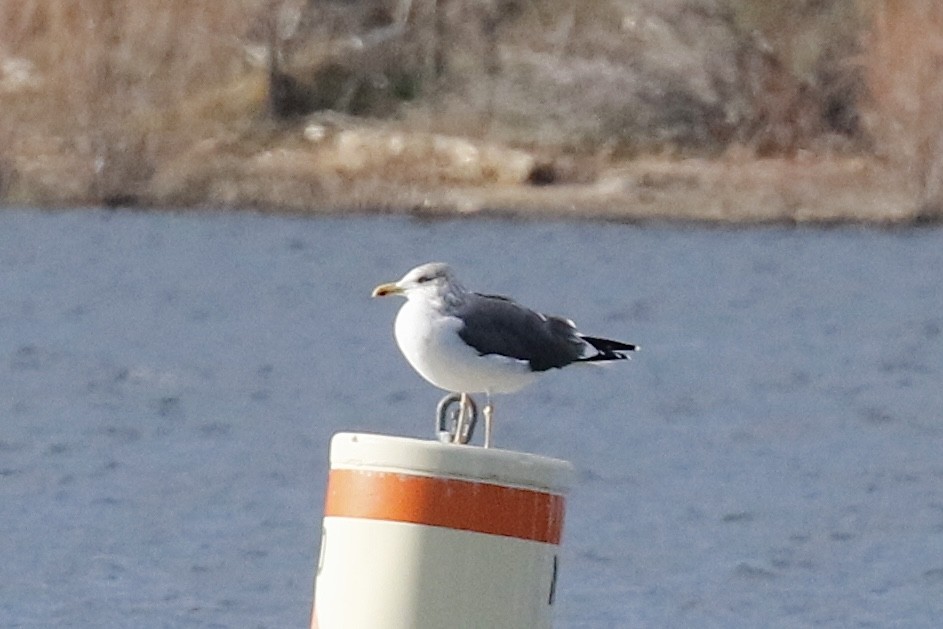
x=609, y=346
x=604, y=357
x=608, y=349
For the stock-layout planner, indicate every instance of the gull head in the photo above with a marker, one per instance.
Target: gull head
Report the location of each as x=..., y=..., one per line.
x=433, y=281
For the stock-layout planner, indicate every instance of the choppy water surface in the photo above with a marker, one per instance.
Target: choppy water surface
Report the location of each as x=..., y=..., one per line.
x=169, y=383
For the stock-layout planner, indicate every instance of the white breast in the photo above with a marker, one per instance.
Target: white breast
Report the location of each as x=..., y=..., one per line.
x=429, y=340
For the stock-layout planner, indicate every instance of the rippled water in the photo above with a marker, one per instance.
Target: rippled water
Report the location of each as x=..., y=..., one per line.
x=169, y=382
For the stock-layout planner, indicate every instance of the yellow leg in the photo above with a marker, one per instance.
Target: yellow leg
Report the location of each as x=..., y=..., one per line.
x=463, y=412
x=489, y=413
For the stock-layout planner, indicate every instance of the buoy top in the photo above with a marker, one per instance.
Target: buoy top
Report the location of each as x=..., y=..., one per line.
x=432, y=458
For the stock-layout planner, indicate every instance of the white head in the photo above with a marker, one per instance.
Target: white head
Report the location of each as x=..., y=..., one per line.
x=431, y=281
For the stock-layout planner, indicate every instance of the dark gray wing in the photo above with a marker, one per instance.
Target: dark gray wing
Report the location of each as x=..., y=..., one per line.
x=498, y=325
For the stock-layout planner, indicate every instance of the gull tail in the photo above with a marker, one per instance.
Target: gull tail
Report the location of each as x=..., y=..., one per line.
x=608, y=349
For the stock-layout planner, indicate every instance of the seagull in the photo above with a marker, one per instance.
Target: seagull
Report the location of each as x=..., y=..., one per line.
x=466, y=342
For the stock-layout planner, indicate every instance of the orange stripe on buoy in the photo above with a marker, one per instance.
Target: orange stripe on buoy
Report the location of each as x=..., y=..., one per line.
x=451, y=503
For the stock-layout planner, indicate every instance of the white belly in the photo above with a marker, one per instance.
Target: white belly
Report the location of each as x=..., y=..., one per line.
x=431, y=344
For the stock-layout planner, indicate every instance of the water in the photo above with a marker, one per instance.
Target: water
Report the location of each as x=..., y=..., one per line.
x=169, y=383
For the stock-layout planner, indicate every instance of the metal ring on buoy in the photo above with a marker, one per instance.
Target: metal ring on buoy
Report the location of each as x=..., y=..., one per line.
x=448, y=419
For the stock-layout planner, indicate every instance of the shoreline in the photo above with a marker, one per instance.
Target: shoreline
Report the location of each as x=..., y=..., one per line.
x=811, y=191
x=334, y=164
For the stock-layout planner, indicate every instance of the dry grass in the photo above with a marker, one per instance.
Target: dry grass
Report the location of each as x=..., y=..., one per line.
x=903, y=65
x=106, y=89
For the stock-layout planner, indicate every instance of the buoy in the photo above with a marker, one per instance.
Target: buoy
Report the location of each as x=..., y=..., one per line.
x=429, y=535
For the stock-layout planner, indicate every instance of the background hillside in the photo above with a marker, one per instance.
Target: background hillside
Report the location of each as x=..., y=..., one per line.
x=734, y=110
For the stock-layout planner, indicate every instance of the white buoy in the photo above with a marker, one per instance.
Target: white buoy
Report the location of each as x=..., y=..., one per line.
x=426, y=535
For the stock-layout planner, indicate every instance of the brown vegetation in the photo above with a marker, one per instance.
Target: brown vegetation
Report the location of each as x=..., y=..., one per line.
x=903, y=66
x=736, y=110
x=96, y=94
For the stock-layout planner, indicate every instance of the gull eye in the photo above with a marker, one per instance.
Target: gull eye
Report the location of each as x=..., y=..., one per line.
x=422, y=279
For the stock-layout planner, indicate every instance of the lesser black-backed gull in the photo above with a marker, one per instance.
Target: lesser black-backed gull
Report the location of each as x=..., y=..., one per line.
x=467, y=342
